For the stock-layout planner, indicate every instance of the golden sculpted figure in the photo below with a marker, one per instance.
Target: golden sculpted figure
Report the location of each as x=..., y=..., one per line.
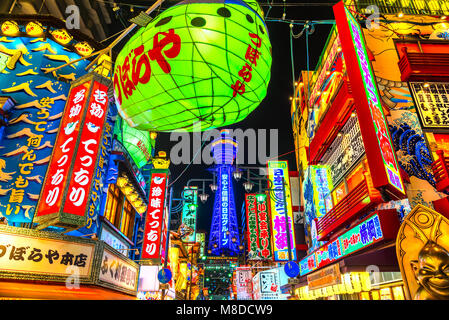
x=161, y=161
x=422, y=248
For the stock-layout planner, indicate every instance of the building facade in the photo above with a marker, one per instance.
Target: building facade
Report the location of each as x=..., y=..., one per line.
x=370, y=134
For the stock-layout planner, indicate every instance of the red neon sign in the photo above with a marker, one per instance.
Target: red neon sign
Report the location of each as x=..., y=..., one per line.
x=374, y=128
x=154, y=219
x=63, y=152
x=84, y=168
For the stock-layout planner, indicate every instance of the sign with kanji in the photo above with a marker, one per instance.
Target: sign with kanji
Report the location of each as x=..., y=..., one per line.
x=69, y=179
x=32, y=254
x=189, y=211
x=151, y=247
x=243, y=283
x=258, y=227
x=117, y=272
x=379, y=148
x=89, y=145
x=432, y=103
x=380, y=226
x=281, y=211
x=266, y=285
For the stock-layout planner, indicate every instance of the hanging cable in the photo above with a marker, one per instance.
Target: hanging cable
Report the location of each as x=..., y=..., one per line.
x=185, y=169
x=292, y=62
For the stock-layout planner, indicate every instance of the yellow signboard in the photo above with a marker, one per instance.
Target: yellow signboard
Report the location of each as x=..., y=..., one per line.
x=44, y=257
x=281, y=205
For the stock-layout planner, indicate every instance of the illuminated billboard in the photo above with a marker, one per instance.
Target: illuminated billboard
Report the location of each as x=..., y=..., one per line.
x=189, y=211
x=68, y=182
x=40, y=98
x=151, y=247
x=258, y=227
x=380, y=226
x=373, y=125
x=281, y=205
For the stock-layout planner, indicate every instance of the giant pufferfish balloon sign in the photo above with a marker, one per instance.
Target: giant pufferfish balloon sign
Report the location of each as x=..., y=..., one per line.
x=200, y=64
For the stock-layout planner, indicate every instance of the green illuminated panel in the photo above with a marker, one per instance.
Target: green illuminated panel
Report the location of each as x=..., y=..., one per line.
x=192, y=67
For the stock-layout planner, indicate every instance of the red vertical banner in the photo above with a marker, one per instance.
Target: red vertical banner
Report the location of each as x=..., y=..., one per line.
x=153, y=224
x=68, y=182
x=89, y=145
x=263, y=227
x=251, y=224
x=373, y=125
x=64, y=149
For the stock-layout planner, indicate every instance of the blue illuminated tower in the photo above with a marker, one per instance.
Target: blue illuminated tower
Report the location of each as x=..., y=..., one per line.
x=224, y=220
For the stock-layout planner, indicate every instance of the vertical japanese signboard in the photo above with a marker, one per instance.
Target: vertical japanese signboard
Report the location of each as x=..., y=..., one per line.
x=259, y=239
x=189, y=211
x=243, y=283
x=87, y=153
x=225, y=182
x=374, y=127
x=281, y=206
x=251, y=223
x=68, y=182
x=151, y=247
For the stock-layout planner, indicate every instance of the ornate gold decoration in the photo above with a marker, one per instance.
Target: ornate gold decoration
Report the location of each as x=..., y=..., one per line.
x=61, y=36
x=422, y=249
x=10, y=28
x=161, y=161
x=34, y=29
x=83, y=48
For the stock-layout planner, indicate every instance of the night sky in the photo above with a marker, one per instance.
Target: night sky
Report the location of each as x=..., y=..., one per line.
x=274, y=111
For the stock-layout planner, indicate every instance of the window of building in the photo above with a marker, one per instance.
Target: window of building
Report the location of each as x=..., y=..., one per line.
x=127, y=220
x=114, y=205
x=352, y=180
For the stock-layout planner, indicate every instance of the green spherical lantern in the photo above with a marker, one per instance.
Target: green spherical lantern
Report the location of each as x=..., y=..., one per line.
x=200, y=64
x=138, y=143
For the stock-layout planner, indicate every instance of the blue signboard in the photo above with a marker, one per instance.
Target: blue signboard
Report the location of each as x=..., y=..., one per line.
x=28, y=140
x=291, y=268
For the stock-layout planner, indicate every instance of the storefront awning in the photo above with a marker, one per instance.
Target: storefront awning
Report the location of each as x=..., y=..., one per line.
x=45, y=291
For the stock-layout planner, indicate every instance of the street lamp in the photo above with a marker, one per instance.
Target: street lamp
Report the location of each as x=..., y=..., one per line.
x=248, y=185
x=213, y=187
x=203, y=197
x=237, y=174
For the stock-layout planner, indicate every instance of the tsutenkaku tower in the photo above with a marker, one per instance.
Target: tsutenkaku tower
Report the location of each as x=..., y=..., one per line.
x=224, y=226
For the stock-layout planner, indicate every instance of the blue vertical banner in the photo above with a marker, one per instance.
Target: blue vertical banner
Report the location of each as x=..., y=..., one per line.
x=100, y=184
x=28, y=140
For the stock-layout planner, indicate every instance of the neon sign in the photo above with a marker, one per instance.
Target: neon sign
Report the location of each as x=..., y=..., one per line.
x=189, y=210
x=359, y=237
x=63, y=153
x=380, y=154
x=278, y=173
x=153, y=225
x=224, y=208
x=259, y=239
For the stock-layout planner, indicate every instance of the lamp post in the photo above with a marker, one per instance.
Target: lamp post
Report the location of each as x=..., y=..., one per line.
x=202, y=190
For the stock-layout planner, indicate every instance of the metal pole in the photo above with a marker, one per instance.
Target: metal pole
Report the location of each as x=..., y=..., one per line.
x=191, y=272
x=170, y=199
